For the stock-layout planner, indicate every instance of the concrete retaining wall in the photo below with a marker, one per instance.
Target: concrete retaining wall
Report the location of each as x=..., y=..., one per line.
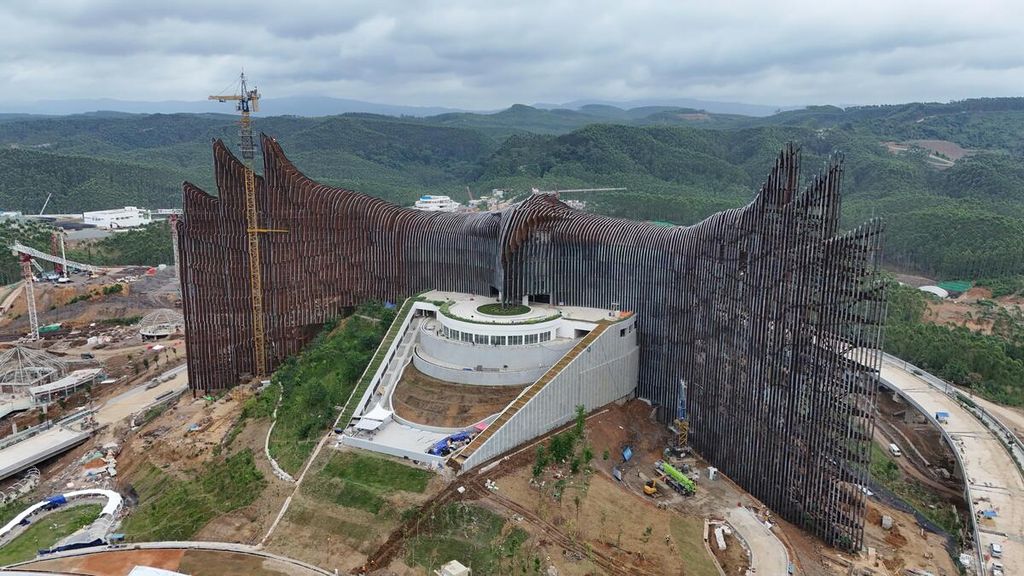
x=478, y=377
x=604, y=372
x=435, y=462
x=278, y=471
x=440, y=429
x=389, y=356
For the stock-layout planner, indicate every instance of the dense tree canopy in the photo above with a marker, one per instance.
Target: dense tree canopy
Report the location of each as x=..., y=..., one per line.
x=991, y=365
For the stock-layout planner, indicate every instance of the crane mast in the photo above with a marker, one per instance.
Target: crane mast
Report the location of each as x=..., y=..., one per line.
x=248, y=102
x=174, y=248
x=30, y=295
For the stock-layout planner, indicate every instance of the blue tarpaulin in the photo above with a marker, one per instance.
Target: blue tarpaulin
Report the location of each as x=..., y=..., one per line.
x=627, y=453
x=440, y=448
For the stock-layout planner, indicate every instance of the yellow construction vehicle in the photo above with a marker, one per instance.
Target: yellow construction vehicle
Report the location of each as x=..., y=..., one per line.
x=649, y=488
x=650, y=485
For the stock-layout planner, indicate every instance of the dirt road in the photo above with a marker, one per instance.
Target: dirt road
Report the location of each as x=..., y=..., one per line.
x=124, y=405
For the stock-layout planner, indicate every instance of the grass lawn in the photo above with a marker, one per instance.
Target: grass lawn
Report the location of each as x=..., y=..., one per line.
x=474, y=536
x=379, y=473
x=321, y=377
x=47, y=531
x=362, y=481
x=886, y=472
x=171, y=509
x=495, y=309
x=688, y=533
x=11, y=509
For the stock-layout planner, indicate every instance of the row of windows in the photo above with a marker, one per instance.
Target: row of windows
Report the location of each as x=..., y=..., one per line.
x=517, y=340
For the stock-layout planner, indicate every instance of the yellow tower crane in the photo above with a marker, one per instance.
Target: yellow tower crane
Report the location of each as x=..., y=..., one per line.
x=248, y=101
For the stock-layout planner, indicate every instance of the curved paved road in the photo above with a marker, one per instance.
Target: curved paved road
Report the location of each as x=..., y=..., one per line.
x=184, y=545
x=993, y=479
x=767, y=553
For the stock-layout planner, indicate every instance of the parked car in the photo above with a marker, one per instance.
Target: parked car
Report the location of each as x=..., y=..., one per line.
x=997, y=549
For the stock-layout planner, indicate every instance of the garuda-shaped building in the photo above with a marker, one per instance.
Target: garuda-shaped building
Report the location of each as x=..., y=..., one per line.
x=757, y=322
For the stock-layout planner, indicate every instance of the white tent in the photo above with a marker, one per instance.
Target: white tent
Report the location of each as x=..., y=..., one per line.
x=935, y=290
x=368, y=424
x=378, y=413
x=374, y=418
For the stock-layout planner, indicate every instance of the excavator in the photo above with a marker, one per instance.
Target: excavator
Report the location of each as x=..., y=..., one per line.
x=650, y=485
x=650, y=489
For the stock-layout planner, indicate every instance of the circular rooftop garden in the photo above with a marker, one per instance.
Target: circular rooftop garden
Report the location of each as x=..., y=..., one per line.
x=498, y=309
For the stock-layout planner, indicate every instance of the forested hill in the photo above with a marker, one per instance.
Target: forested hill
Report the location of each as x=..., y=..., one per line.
x=949, y=214
x=81, y=183
x=965, y=221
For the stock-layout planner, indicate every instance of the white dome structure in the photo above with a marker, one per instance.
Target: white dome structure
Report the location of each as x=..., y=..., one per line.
x=161, y=324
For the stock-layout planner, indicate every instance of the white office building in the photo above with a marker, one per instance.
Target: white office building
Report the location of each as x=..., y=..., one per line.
x=127, y=217
x=437, y=204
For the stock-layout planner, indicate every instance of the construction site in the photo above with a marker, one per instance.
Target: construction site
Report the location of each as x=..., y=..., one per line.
x=326, y=383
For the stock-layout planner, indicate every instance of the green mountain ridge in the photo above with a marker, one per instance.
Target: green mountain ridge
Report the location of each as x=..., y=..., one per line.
x=678, y=164
x=80, y=183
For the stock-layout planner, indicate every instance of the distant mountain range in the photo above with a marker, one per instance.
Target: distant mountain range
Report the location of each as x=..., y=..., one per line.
x=705, y=105
x=291, y=106
x=329, y=106
x=679, y=164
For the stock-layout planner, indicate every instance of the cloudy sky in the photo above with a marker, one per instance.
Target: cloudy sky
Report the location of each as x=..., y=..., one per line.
x=482, y=54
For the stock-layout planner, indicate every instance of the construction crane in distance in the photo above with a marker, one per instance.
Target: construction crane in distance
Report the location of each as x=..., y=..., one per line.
x=173, y=220
x=19, y=248
x=248, y=101
x=30, y=295
x=43, y=209
x=28, y=257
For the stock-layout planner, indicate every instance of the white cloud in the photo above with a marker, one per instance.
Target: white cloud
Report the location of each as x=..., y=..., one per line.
x=479, y=54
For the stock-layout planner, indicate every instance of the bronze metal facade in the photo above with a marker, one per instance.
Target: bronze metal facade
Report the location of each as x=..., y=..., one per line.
x=757, y=324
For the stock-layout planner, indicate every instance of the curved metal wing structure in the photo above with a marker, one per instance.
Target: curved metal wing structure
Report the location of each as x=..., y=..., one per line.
x=758, y=324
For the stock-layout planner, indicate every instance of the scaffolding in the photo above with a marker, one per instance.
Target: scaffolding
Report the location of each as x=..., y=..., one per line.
x=22, y=367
